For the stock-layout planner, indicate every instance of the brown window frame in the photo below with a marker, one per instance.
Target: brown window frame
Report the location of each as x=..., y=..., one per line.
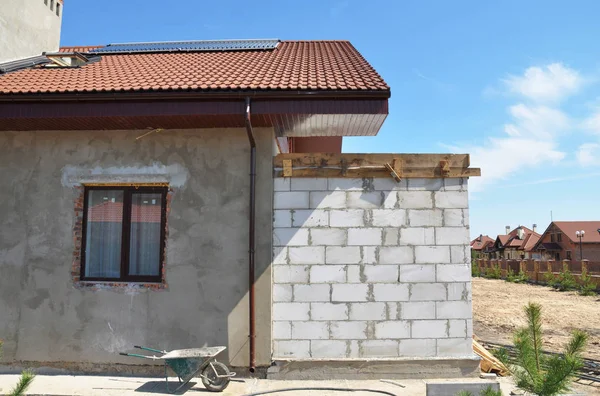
x=126, y=233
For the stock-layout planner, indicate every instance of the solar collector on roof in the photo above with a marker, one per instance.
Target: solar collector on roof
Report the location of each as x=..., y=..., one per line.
x=181, y=46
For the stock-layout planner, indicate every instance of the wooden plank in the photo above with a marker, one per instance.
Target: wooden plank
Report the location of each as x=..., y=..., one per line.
x=287, y=168
x=427, y=173
x=408, y=160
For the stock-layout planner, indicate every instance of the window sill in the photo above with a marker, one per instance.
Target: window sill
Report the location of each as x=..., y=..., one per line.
x=119, y=286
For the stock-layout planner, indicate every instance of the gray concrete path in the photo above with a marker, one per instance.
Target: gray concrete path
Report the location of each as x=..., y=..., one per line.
x=65, y=385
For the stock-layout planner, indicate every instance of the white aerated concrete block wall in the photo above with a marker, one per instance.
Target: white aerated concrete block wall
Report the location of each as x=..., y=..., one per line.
x=371, y=268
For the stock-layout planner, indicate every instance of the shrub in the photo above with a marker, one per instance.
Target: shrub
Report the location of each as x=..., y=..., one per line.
x=475, y=271
x=510, y=276
x=587, y=286
x=544, y=375
x=550, y=279
x=494, y=273
x=522, y=277
x=565, y=280
x=489, y=391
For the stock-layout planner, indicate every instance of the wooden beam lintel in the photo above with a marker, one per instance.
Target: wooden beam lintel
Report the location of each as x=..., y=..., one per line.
x=427, y=173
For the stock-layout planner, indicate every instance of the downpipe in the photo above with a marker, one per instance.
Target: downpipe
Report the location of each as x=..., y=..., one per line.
x=251, y=237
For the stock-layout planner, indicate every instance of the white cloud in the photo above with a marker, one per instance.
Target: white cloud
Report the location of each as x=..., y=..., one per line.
x=589, y=154
x=592, y=123
x=551, y=83
x=500, y=158
x=536, y=121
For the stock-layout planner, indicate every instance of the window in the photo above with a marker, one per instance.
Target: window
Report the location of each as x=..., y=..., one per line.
x=552, y=238
x=123, y=233
x=58, y=9
x=559, y=237
x=51, y=5
x=45, y=2
x=568, y=255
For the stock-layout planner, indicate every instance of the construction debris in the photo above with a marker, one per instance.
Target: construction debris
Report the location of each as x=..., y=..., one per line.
x=489, y=363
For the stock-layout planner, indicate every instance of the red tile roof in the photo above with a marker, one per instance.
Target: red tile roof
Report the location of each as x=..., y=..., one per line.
x=512, y=240
x=590, y=227
x=477, y=244
x=292, y=66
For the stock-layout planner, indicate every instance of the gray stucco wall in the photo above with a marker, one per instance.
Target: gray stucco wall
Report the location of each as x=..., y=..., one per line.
x=44, y=318
x=28, y=28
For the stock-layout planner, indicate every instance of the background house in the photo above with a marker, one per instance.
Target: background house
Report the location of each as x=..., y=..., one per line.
x=560, y=242
x=516, y=244
x=480, y=246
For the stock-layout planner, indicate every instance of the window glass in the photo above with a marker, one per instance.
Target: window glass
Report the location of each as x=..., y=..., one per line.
x=57, y=9
x=104, y=233
x=145, y=234
x=51, y=5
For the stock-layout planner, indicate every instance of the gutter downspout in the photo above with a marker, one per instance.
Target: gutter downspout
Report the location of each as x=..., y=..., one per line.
x=251, y=236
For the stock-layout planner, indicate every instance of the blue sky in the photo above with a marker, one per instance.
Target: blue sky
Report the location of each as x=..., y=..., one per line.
x=513, y=83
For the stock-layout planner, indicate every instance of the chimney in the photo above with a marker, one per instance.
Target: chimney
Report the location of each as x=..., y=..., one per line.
x=507, y=229
x=534, y=228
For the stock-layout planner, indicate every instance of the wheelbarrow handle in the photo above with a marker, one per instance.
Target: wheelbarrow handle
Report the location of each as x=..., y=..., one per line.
x=138, y=355
x=148, y=349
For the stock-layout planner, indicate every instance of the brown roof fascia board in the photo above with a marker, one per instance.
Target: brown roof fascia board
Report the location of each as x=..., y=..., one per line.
x=210, y=95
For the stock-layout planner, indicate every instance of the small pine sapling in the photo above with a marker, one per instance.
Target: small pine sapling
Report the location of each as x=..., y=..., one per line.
x=587, y=286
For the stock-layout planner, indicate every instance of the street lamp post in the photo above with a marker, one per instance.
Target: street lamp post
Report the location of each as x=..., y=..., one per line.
x=580, y=235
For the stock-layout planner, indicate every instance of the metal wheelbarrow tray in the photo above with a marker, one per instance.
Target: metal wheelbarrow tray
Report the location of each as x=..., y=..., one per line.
x=186, y=363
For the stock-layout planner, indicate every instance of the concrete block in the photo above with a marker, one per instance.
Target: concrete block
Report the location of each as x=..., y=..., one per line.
x=389, y=184
x=312, y=293
x=328, y=349
x=388, y=217
x=290, y=274
x=282, y=293
x=429, y=328
x=455, y=347
x=328, y=236
x=452, y=236
x=418, y=310
x=280, y=255
x=290, y=311
x=282, y=330
x=448, y=388
x=349, y=292
x=291, y=349
x=393, y=310
x=307, y=255
x=353, y=274
x=396, y=255
x=327, y=199
x=290, y=200
x=417, y=348
x=451, y=199
x=327, y=274
x=290, y=237
x=454, y=310
x=425, y=184
x=390, y=236
x=354, y=349
x=328, y=311
x=371, y=200
x=381, y=273
x=417, y=236
x=455, y=184
x=415, y=200
x=354, y=330
x=432, y=254
x=369, y=254
x=469, y=328
x=342, y=255
x=417, y=273
x=458, y=256
x=428, y=292
x=392, y=330
x=309, y=184
x=466, y=217
x=310, y=218
x=346, y=184
x=457, y=328
x=378, y=348
x=367, y=311
x=453, y=217
x=347, y=218
x=457, y=291
x=390, y=292
x=281, y=184
x=364, y=236
x=310, y=331
x=425, y=217
x=282, y=218
x=453, y=273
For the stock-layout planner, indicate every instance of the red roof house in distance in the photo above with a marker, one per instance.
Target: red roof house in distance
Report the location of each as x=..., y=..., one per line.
x=516, y=244
x=560, y=241
x=480, y=245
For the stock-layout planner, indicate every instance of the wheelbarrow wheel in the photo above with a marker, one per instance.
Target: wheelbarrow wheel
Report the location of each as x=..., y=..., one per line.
x=215, y=382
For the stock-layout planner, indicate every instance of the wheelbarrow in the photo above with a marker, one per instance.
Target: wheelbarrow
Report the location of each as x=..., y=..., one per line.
x=186, y=363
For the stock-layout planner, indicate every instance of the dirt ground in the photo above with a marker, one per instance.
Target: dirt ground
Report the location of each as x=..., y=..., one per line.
x=498, y=311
